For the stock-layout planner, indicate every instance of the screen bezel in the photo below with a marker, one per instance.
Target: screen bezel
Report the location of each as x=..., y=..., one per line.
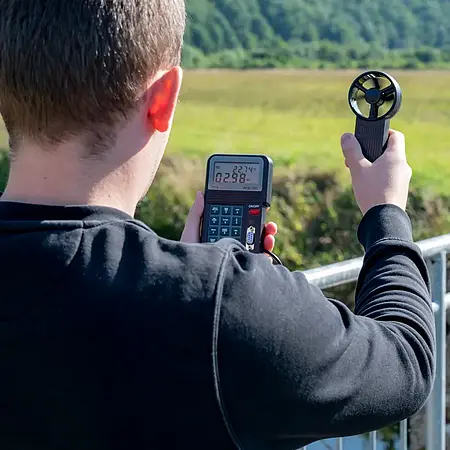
x=238, y=160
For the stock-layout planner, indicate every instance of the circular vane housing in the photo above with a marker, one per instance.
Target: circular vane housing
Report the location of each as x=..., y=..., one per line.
x=375, y=95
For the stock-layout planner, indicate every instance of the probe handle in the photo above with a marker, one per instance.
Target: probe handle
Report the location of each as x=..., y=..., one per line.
x=372, y=136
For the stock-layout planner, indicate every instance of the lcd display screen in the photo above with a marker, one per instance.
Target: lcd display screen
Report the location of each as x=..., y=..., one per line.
x=244, y=176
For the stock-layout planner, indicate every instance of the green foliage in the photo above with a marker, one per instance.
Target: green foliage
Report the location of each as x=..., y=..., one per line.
x=306, y=33
x=317, y=216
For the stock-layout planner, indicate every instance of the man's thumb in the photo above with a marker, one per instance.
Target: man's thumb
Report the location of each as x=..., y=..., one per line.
x=352, y=151
x=191, y=232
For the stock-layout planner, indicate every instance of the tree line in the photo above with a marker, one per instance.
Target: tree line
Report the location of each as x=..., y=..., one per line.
x=317, y=34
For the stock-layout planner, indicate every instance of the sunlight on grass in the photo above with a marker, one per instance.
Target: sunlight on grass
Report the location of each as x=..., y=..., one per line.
x=297, y=118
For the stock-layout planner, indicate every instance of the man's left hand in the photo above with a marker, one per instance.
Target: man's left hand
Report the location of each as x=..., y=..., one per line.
x=191, y=232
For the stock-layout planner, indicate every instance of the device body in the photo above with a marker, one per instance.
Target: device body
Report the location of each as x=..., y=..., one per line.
x=380, y=96
x=373, y=137
x=238, y=192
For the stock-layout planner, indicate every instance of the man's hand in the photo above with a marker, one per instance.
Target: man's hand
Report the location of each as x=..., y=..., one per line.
x=191, y=232
x=385, y=181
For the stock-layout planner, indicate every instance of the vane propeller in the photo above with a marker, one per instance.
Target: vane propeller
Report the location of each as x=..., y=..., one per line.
x=374, y=97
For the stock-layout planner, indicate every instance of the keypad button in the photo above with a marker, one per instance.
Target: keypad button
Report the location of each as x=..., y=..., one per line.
x=236, y=232
x=224, y=231
x=212, y=239
x=215, y=210
x=237, y=211
x=214, y=220
x=213, y=231
x=225, y=221
x=226, y=210
x=236, y=221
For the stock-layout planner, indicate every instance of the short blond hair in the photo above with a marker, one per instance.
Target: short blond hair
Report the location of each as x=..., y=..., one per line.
x=71, y=68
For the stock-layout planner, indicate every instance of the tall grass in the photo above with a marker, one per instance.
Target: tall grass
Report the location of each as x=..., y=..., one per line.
x=297, y=118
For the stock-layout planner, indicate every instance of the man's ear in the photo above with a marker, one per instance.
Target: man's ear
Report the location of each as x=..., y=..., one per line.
x=162, y=99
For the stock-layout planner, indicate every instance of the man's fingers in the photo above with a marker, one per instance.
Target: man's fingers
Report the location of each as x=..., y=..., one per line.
x=396, y=143
x=352, y=152
x=191, y=232
x=271, y=229
x=269, y=242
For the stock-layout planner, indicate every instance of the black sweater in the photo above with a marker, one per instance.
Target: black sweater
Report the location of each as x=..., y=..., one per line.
x=112, y=338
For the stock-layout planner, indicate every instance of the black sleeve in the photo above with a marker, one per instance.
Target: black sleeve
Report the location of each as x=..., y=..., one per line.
x=294, y=367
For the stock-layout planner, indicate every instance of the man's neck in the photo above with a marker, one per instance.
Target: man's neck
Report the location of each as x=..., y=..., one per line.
x=39, y=178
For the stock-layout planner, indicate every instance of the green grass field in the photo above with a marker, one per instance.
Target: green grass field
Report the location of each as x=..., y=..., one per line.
x=297, y=118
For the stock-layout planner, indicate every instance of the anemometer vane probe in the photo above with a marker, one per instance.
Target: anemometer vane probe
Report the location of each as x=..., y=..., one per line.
x=375, y=98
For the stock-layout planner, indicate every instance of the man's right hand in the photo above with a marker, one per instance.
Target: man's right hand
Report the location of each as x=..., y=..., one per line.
x=385, y=181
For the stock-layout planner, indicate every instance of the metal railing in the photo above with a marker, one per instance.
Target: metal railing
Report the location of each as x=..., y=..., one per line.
x=435, y=252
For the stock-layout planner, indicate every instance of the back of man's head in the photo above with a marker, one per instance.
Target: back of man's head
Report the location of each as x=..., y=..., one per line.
x=75, y=68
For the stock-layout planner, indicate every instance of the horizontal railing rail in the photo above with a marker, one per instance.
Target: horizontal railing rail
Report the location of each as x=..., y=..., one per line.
x=435, y=251
x=348, y=271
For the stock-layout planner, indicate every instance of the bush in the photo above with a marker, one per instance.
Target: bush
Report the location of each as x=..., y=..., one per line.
x=317, y=216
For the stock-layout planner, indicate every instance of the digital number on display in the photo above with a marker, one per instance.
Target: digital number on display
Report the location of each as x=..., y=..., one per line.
x=236, y=176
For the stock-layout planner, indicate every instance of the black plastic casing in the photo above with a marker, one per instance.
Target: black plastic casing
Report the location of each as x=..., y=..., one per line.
x=373, y=137
x=248, y=200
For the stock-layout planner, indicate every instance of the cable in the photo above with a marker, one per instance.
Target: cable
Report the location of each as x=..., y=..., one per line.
x=276, y=260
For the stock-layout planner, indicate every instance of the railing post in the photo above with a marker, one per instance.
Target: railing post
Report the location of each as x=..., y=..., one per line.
x=435, y=252
x=373, y=440
x=436, y=407
x=404, y=435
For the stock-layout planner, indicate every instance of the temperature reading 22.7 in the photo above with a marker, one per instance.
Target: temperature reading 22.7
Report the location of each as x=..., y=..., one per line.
x=236, y=173
x=236, y=176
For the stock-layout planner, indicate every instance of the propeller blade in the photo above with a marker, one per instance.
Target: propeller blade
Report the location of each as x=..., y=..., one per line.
x=374, y=111
x=388, y=92
x=376, y=82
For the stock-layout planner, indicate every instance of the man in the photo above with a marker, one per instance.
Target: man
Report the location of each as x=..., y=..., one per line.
x=114, y=338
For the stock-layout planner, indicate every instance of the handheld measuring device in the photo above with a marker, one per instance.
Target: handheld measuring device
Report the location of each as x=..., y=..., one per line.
x=374, y=97
x=238, y=193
